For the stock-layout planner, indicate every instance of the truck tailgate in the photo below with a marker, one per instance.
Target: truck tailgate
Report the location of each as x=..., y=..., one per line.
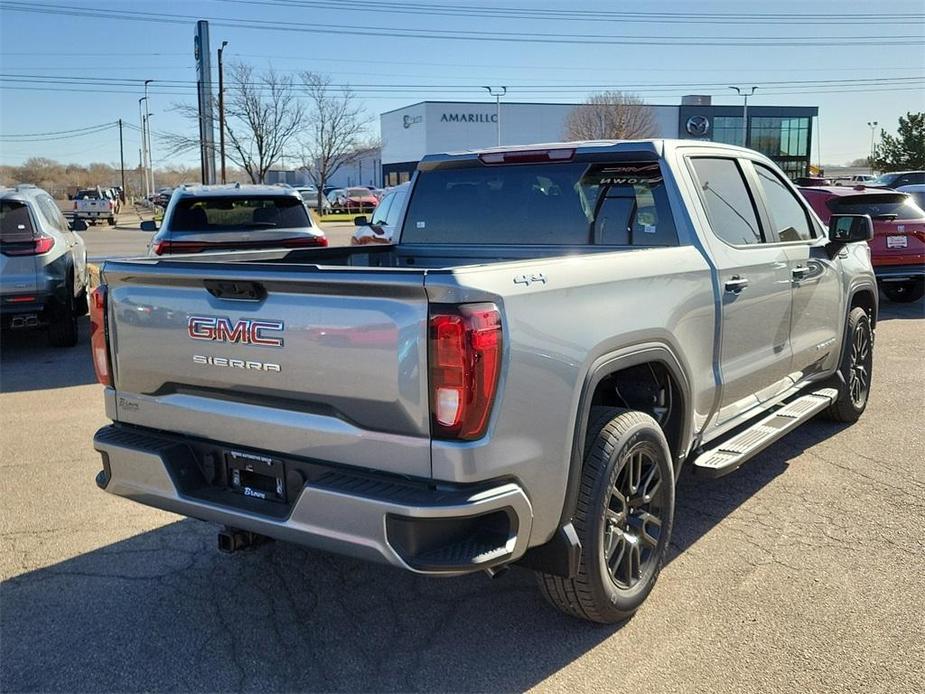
x=325, y=363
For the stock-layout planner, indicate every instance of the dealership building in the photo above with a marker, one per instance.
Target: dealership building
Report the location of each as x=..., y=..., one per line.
x=784, y=133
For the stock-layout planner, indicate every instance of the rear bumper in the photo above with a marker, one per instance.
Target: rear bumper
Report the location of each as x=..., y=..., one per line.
x=899, y=273
x=425, y=529
x=16, y=306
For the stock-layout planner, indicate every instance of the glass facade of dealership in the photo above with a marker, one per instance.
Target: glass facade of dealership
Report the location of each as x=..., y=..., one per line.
x=783, y=133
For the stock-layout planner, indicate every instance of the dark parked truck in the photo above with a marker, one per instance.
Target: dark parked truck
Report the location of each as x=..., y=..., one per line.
x=520, y=378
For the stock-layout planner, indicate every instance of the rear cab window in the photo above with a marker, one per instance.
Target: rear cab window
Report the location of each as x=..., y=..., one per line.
x=573, y=203
x=232, y=213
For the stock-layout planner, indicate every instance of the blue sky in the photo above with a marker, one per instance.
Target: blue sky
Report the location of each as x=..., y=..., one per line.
x=868, y=65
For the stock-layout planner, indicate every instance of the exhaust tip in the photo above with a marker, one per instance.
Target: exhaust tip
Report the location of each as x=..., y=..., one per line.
x=226, y=542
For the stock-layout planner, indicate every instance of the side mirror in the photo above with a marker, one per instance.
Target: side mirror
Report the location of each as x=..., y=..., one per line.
x=149, y=225
x=849, y=228
x=78, y=225
x=360, y=221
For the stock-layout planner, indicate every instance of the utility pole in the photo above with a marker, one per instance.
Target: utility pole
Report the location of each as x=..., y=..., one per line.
x=221, y=109
x=497, y=92
x=203, y=55
x=741, y=92
x=150, y=151
x=144, y=147
x=122, y=160
x=870, y=160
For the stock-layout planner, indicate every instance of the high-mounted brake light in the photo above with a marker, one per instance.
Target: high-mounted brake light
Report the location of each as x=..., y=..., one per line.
x=98, y=343
x=465, y=361
x=527, y=156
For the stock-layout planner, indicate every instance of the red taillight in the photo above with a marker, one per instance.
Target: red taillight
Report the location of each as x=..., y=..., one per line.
x=465, y=361
x=98, y=343
x=303, y=241
x=39, y=245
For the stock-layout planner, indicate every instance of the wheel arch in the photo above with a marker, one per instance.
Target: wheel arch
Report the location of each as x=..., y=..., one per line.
x=864, y=296
x=602, y=372
x=561, y=554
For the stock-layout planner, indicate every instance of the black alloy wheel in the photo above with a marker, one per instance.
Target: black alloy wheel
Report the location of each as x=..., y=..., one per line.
x=634, y=518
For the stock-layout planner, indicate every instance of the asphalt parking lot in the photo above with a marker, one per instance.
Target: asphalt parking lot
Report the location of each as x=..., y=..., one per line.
x=803, y=571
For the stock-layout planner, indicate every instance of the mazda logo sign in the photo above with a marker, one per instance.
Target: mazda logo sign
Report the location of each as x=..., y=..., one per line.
x=697, y=126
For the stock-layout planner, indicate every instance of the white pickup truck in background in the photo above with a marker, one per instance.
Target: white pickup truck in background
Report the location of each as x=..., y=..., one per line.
x=93, y=205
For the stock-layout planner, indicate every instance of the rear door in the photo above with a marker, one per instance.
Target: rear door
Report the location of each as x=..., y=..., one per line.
x=754, y=281
x=322, y=363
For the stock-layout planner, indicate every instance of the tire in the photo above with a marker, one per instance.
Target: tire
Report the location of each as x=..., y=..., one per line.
x=82, y=303
x=623, y=549
x=904, y=292
x=62, y=330
x=855, y=370
x=111, y=221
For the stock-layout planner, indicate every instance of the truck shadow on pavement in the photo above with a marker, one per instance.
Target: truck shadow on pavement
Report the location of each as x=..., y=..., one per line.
x=890, y=309
x=164, y=610
x=27, y=362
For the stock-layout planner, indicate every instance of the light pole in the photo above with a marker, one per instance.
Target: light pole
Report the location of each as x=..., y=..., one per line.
x=870, y=160
x=144, y=146
x=150, y=154
x=741, y=92
x=497, y=92
x=221, y=109
x=150, y=151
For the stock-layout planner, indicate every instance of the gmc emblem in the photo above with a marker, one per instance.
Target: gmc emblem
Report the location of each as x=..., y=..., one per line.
x=243, y=332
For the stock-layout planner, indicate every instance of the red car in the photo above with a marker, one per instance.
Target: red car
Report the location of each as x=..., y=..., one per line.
x=897, y=250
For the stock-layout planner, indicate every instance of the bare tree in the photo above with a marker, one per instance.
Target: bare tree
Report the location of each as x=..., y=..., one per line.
x=335, y=126
x=611, y=116
x=263, y=116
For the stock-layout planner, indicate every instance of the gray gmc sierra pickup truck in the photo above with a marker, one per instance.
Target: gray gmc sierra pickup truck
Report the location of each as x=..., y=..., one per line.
x=519, y=378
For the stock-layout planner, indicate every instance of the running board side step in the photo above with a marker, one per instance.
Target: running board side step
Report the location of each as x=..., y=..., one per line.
x=730, y=454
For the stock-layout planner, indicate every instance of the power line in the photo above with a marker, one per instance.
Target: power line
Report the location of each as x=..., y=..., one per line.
x=576, y=15
x=59, y=132
x=468, y=35
x=8, y=141
x=526, y=87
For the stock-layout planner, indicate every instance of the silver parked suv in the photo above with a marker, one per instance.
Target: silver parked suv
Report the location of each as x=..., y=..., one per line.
x=43, y=265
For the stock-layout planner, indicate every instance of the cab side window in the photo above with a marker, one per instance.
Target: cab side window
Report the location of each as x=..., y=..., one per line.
x=398, y=199
x=51, y=214
x=382, y=210
x=729, y=205
x=787, y=214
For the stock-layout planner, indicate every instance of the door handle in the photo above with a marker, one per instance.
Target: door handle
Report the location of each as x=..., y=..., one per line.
x=799, y=272
x=736, y=284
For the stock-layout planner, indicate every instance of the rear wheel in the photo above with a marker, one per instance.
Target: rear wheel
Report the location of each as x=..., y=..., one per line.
x=62, y=330
x=623, y=518
x=855, y=369
x=904, y=292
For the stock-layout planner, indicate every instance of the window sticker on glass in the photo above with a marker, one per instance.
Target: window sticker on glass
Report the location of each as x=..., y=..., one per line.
x=421, y=225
